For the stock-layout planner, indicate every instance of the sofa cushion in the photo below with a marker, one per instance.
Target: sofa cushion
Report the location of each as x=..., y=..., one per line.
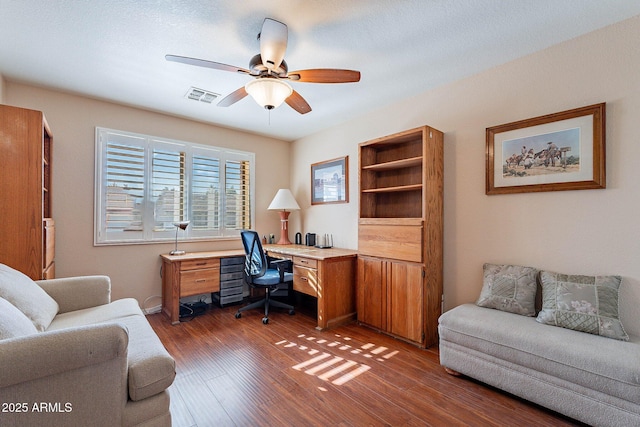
x=509, y=288
x=101, y=313
x=150, y=367
x=27, y=296
x=591, y=361
x=582, y=303
x=13, y=322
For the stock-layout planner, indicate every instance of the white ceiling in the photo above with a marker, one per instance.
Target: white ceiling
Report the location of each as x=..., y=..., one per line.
x=114, y=49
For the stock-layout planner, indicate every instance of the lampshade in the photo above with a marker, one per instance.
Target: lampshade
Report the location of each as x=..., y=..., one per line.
x=284, y=200
x=268, y=92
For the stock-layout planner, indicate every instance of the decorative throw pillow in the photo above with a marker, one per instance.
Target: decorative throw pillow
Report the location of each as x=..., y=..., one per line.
x=582, y=303
x=509, y=288
x=28, y=297
x=13, y=323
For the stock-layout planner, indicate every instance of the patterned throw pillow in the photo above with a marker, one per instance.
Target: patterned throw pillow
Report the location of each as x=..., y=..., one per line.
x=582, y=303
x=509, y=288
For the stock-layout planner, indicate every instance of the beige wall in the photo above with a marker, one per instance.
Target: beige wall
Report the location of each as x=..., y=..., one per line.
x=576, y=232
x=134, y=269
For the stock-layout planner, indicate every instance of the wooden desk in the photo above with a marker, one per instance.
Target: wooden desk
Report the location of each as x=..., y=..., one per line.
x=327, y=274
x=193, y=273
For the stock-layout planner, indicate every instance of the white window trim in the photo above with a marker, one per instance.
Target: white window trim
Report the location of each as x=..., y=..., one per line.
x=148, y=236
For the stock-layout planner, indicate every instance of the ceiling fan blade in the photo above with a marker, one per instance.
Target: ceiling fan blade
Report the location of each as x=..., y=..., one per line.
x=273, y=43
x=325, y=75
x=297, y=102
x=205, y=63
x=233, y=97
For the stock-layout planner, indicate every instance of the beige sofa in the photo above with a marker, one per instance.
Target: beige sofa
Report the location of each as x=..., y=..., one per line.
x=70, y=356
x=581, y=363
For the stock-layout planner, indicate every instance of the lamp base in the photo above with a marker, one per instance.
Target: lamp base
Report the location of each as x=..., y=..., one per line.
x=284, y=229
x=177, y=252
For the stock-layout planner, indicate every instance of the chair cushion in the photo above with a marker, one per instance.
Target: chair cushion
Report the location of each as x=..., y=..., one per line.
x=13, y=322
x=272, y=277
x=28, y=297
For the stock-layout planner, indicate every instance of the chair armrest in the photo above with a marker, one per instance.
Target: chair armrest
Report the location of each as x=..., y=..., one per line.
x=283, y=266
x=84, y=369
x=77, y=293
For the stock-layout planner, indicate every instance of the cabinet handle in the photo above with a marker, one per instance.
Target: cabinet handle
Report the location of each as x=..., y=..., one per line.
x=200, y=280
x=304, y=278
x=201, y=263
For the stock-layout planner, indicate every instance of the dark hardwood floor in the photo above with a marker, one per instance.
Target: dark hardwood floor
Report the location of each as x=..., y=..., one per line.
x=239, y=372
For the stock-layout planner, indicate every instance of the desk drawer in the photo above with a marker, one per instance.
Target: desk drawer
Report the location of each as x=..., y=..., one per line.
x=199, y=264
x=305, y=262
x=305, y=280
x=196, y=282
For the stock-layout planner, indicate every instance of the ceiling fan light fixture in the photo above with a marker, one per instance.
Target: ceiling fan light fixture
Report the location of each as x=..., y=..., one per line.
x=268, y=92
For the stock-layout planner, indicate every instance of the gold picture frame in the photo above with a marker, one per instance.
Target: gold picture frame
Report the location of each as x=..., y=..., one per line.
x=330, y=181
x=556, y=152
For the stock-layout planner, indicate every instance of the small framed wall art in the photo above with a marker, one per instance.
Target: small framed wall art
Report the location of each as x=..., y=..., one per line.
x=560, y=151
x=330, y=181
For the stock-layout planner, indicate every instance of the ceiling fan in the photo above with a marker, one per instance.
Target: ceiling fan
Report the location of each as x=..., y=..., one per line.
x=269, y=69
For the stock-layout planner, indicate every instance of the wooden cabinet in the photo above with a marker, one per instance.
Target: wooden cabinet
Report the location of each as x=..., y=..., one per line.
x=28, y=231
x=388, y=293
x=400, y=234
x=305, y=276
x=326, y=274
x=190, y=274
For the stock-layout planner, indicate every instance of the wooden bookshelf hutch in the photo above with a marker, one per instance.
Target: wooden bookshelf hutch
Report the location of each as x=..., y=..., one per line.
x=399, y=289
x=28, y=238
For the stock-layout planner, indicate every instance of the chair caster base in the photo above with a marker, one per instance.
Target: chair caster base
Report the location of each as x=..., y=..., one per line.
x=265, y=320
x=238, y=315
x=292, y=312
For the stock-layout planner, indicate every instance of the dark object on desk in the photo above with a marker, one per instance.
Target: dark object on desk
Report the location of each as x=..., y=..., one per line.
x=260, y=273
x=310, y=239
x=298, y=238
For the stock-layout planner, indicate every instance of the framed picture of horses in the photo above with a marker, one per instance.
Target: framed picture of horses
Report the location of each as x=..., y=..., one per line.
x=560, y=151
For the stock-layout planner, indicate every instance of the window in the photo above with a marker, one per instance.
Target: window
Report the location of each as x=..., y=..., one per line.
x=146, y=184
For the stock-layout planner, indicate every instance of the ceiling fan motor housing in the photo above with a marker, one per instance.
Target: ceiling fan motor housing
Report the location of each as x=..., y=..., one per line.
x=258, y=68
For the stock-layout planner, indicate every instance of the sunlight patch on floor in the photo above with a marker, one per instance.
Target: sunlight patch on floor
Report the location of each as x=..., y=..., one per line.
x=336, y=369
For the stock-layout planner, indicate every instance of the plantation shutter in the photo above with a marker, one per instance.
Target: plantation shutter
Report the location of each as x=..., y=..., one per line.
x=205, y=192
x=124, y=185
x=168, y=188
x=146, y=184
x=237, y=194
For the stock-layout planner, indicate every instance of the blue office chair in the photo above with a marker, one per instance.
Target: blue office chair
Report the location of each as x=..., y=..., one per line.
x=261, y=272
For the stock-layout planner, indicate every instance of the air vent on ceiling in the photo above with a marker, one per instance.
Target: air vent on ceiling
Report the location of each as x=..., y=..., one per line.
x=201, y=95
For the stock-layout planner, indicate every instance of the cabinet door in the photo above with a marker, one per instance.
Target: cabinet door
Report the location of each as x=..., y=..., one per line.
x=405, y=304
x=371, y=297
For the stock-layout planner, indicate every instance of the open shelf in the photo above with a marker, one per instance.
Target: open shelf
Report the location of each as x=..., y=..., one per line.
x=396, y=164
x=396, y=189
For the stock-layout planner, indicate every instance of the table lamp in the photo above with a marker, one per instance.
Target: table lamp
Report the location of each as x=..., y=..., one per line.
x=182, y=225
x=284, y=202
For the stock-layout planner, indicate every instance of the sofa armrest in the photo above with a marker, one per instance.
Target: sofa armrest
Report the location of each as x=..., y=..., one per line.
x=80, y=374
x=50, y=353
x=77, y=293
